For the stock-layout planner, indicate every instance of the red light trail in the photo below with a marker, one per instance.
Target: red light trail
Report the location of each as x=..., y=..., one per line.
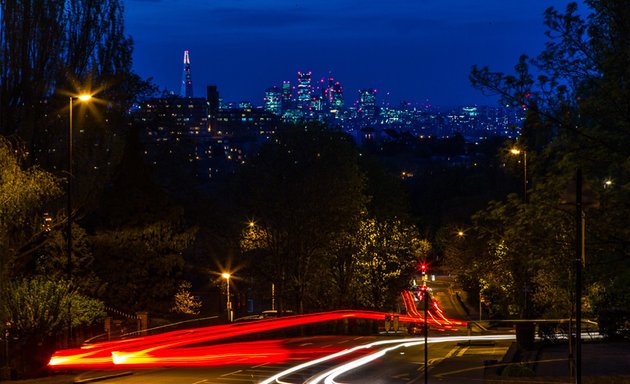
x=194, y=347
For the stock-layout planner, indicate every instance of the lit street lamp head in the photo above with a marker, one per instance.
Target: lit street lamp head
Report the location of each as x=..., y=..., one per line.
x=84, y=97
x=225, y=275
x=515, y=151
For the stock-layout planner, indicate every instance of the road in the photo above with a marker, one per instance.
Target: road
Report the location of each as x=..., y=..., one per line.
x=387, y=360
x=220, y=354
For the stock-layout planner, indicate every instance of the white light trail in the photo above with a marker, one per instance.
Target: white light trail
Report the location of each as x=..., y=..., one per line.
x=331, y=374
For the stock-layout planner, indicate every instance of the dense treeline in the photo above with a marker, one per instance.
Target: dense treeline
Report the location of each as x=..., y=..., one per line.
x=519, y=254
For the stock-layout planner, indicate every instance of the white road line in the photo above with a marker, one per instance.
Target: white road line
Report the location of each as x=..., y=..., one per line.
x=200, y=381
x=260, y=365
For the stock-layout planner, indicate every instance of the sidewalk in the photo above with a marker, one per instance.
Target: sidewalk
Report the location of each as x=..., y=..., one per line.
x=71, y=378
x=603, y=362
x=599, y=359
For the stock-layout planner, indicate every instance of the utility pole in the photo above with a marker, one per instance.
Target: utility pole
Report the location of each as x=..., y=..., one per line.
x=426, y=332
x=578, y=275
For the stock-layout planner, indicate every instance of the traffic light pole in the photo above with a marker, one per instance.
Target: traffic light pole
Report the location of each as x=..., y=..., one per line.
x=426, y=332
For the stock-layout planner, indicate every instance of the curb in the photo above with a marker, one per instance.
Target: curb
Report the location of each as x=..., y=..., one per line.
x=102, y=377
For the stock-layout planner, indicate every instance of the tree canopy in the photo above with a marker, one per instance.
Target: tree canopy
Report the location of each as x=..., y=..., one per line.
x=577, y=103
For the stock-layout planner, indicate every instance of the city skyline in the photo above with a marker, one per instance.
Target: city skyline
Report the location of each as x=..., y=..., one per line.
x=414, y=52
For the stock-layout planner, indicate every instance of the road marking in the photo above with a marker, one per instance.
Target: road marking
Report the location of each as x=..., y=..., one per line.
x=342, y=341
x=260, y=365
x=452, y=352
x=461, y=353
x=358, y=338
x=305, y=344
x=232, y=373
x=200, y=381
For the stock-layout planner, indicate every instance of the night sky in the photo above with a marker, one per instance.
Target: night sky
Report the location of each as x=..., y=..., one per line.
x=410, y=50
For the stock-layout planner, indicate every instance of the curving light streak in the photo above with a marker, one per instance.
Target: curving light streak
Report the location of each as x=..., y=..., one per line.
x=331, y=374
x=186, y=346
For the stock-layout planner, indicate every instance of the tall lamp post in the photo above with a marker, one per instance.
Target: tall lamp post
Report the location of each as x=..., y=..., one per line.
x=227, y=276
x=83, y=97
x=516, y=152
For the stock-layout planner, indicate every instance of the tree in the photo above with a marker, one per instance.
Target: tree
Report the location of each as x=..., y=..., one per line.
x=185, y=302
x=37, y=311
x=142, y=265
x=577, y=108
x=24, y=193
x=301, y=189
x=387, y=259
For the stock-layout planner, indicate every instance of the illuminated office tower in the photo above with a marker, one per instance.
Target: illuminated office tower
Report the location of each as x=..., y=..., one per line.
x=337, y=96
x=273, y=100
x=333, y=94
x=367, y=103
x=187, y=88
x=286, y=95
x=304, y=89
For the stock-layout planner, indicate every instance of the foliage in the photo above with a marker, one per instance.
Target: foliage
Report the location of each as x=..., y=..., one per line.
x=301, y=189
x=577, y=107
x=387, y=258
x=24, y=191
x=185, y=302
x=141, y=265
x=51, y=46
x=39, y=307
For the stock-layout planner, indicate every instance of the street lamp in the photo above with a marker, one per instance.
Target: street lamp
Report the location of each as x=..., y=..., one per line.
x=227, y=276
x=516, y=152
x=82, y=97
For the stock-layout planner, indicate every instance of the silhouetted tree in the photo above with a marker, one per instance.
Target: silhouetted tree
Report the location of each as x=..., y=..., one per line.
x=577, y=118
x=301, y=189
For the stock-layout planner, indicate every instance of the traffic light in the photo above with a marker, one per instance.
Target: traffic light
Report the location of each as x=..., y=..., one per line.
x=423, y=268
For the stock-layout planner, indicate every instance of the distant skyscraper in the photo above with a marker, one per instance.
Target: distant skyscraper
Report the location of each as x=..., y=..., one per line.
x=273, y=100
x=333, y=95
x=337, y=96
x=212, y=96
x=304, y=89
x=187, y=88
x=286, y=95
x=367, y=103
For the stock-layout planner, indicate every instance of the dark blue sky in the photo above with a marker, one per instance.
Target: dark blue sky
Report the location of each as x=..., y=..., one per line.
x=412, y=49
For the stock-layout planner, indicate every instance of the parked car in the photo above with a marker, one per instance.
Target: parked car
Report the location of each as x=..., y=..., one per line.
x=268, y=314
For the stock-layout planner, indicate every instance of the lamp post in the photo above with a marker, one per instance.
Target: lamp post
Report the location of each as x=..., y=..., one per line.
x=516, y=152
x=227, y=276
x=83, y=97
x=581, y=197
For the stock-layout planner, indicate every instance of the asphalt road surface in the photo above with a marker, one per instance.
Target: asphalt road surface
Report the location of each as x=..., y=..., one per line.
x=449, y=361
